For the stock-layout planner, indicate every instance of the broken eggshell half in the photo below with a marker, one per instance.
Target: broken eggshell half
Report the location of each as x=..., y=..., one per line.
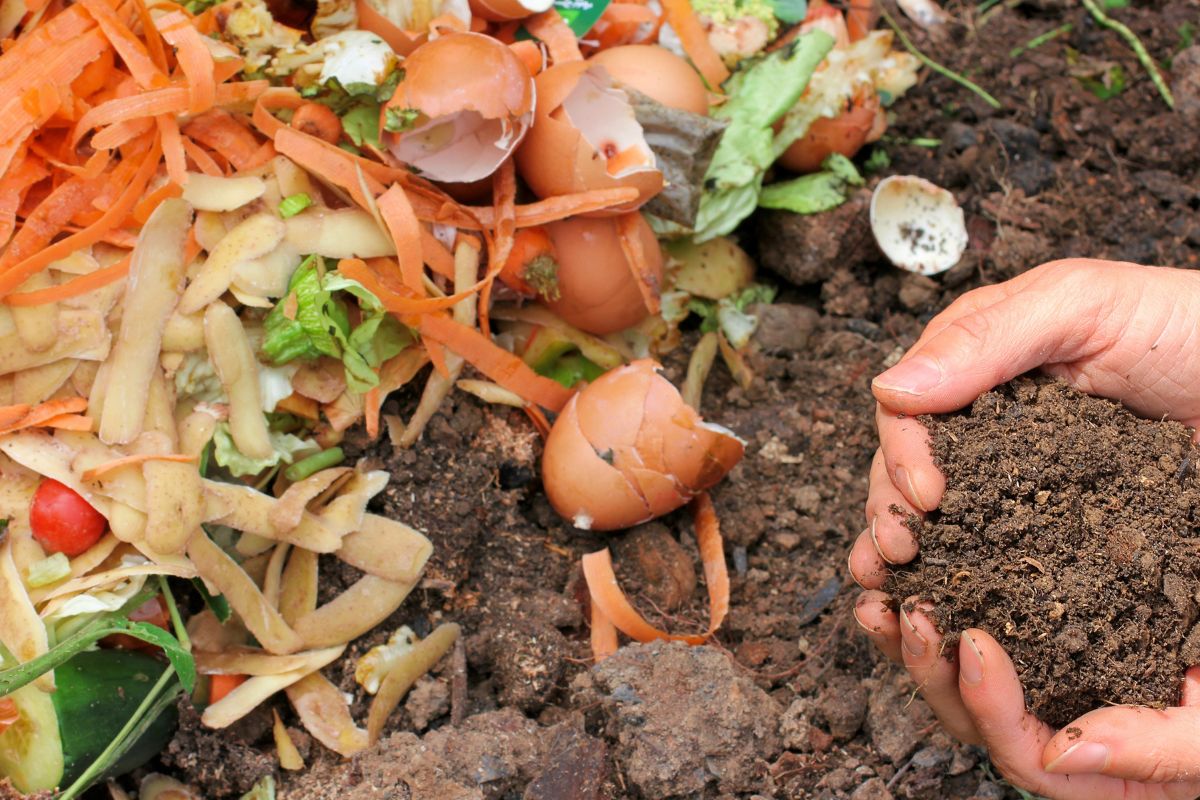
x=508, y=10
x=585, y=137
x=917, y=224
x=464, y=105
x=627, y=449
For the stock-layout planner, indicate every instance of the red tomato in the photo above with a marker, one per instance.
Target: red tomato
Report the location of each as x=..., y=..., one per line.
x=62, y=521
x=153, y=611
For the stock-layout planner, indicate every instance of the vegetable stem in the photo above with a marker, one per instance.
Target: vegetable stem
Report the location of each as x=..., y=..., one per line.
x=1040, y=40
x=176, y=621
x=314, y=463
x=935, y=66
x=151, y=706
x=1136, y=45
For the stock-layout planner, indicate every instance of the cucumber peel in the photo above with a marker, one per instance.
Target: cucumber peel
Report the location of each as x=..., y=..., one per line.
x=31, y=753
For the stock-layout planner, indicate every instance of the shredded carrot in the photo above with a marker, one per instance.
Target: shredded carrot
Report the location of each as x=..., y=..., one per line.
x=861, y=16
x=219, y=686
x=38, y=415
x=75, y=287
x=100, y=470
x=317, y=120
x=630, y=232
x=171, y=100
x=129, y=47
x=402, y=224
x=95, y=76
x=219, y=131
x=48, y=218
x=528, y=245
x=200, y=157
x=195, y=59
x=69, y=422
x=553, y=209
x=11, y=414
x=326, y=162
x=436, y=255
x=712, y=556
x=278, y=98
x=60, y=65
x=175, y=156
x=695, y=42
x=13, y=187
x=504, y=199
x=493, y=361
x=604, y=635
x=372, y=404
x=538, y=418
x=553, y=31
x=437, y=357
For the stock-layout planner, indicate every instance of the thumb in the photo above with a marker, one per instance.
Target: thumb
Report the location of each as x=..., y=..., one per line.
x=1137, y=744
x=975, y=351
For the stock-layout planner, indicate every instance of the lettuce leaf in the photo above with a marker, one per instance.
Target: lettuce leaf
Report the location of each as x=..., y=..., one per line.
x=287, y=448
x=759, y=94
x=812, y=194
x=320, y=326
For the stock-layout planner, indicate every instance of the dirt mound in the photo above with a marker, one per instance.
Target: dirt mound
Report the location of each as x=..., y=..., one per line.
x=1069, y=531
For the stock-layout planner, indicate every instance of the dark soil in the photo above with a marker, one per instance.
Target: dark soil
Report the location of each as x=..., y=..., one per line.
x=1116, y=178
x=1070, y=531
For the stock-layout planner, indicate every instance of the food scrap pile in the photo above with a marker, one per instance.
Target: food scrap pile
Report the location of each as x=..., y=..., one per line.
x=229, y=231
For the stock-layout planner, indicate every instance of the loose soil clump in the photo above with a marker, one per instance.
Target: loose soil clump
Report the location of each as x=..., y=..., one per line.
x=1069, y=531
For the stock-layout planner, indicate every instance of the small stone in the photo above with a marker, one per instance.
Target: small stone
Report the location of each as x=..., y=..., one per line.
x=663, y=569
x=786, y=541
x=1185, y=81
x=918, y=292
x=843, y=704
x=838, y=779
x=896, y=719
x=794, y=725
x=784, y=327
x=807, y=499
x=807, y=248
x=428, y=700
x=873, y=789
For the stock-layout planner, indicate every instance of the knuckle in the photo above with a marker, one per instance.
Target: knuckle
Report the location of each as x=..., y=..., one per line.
x=975, y=329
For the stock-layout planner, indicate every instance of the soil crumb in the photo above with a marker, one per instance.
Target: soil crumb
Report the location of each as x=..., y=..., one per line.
x=1070, y=531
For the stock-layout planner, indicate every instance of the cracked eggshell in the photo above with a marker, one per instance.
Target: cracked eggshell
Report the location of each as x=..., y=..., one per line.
x=917, y=224
x=585, y=137
x=596, y=288
x=627, y=449
x=508, y=10
x=475, y=100
x=657, y=73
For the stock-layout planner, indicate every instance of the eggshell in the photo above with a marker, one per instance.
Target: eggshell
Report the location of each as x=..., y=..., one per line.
x=597, y=290
x=918, y=225
x=658, y=73
x=476, y=99
x=507, y=10
x=556, y=159
x=627, y=449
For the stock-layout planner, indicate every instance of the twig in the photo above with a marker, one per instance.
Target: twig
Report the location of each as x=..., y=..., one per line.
x=1038, y=41
x=1136, y=45
x=935, y=66
x=458, y=684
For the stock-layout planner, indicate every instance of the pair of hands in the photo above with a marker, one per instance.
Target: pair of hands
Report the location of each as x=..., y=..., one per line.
x=1111, y=329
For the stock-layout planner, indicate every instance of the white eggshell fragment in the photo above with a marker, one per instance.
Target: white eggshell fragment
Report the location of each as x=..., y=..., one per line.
x=918, y=225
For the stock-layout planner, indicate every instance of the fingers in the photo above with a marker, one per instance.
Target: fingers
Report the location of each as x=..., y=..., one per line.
x=935, y=674
x=1191, y=688
x=909, y=466
x=874, y=614
x=992, y=695
x=1138, y=744
x=866, y=565
x=889, y=530
x=997, y=336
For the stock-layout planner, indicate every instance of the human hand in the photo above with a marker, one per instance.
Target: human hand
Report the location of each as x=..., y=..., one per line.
x=1116, y=330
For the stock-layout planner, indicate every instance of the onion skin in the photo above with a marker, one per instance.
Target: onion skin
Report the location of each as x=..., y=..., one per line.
x=627, y=449
x=845, y=134
x=596, y=288
x=554, y=159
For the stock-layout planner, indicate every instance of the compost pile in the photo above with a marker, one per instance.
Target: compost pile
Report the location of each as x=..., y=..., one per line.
x=1069, y=531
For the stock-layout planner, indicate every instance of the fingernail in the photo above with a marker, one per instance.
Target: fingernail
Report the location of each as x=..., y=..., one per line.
x=1085, y=757
x=917, y=375
x=875, y=541
x=970, y=662
x=861, y=624
x=904, y=478
x=912, y=640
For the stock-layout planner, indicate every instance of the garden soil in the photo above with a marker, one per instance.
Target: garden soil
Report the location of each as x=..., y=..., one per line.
x=790, y=701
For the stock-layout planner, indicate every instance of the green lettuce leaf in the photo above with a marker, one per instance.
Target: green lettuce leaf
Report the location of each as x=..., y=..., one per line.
x=286, y=448
x=759, y=94
x=812, y=194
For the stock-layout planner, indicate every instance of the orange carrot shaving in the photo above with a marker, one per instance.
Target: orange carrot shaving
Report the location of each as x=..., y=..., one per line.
x=219, y=131
x=172, y=100
x=75, y=287
x=38, y=415
x=95, y=76
x=861, y=16
x=274, y=99
x=607, y=596
x=13, y=187
x=372, y=404
x=11, y=414
x=219, y=686
x=504, y=199
x=604, y=635
x=15, y=275
x=695, y=42
x=129, y=47
x=436, y=255
x=553, y=31
x=195, y=59
x=60, y=65
x=538, y=419
x=69, y=422
x=631, y=245
x=528, y=245
x=437, y=357
x=493, y=361
x=200, y=157
x=300, y=405
x=175, y=156
x=530, y=54
x=146, y=206
x=100, y=470
x=553, y=209
x=48, y=218
x=326, y=162
x=397, y=213
x=318, y=120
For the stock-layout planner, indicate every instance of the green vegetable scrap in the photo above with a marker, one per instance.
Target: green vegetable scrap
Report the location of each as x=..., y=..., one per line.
x=358, y=104
x=286, y=448
x=293, y=204
x=723, y=12
x=812, y=194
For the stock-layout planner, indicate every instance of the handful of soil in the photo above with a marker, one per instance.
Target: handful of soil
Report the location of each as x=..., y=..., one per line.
x=1070, y=531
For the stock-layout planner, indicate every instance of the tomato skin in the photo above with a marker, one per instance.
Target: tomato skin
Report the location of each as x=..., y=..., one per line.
x=153, y=611
x=62, y=521
x=221, y=685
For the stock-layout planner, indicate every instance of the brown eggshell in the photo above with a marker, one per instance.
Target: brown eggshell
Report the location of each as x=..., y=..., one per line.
x=597, y=290
x=845, y=134
x=555, y=159
x=657, y=73
x=507, y=10
x=465, y=72
x=674, y=455
x=581, y=485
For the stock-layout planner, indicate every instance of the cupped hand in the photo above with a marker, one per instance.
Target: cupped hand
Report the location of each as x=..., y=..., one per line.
x=1110, y=329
